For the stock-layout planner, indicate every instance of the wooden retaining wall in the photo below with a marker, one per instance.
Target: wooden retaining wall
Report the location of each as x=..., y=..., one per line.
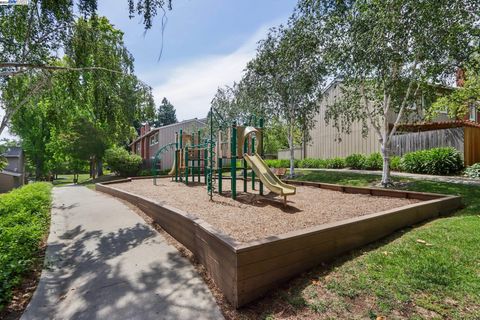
x=245, y=271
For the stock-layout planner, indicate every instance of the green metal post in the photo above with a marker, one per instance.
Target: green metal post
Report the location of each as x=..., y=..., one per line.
x=180, y=151
x=210, y=155
x=261, y=150
x=233, y=160
x=245, y=150
x=199, y=161
x=205, y=163
x=176, y=157
x=253, y=173
x=220, y=175
x=193, y=157
x=186, y=165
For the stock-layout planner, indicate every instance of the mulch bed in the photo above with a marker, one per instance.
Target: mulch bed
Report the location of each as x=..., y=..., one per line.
x=252, y=216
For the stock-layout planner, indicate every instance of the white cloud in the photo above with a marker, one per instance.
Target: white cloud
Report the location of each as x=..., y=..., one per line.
x=191, y=86
x=5, y=134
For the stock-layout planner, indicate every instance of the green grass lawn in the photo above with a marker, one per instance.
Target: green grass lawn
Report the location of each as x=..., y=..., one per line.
x=24, y=224
x=64, y=179
x=83, y=179
x=437, y=277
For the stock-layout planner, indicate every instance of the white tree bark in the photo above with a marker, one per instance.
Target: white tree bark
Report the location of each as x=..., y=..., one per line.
x=292, y=149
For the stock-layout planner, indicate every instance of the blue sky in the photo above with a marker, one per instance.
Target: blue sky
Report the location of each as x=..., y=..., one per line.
x=206, y=44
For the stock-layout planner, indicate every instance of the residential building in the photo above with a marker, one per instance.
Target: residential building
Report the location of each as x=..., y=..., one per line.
x=13, y=175
x=152, y=139
x=412, y=135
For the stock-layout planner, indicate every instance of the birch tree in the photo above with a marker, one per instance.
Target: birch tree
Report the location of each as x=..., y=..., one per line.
x=386, y=53
x=289, y=68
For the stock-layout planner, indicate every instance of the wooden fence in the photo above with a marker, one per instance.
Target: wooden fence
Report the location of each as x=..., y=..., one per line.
x=413, y=141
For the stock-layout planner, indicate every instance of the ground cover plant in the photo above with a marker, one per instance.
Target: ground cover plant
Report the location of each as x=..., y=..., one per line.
x=473, y=171
x=430, y=271
x=24, y=223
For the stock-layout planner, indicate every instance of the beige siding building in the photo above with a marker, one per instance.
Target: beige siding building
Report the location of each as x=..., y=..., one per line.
x=412, y=135
x=327, y=142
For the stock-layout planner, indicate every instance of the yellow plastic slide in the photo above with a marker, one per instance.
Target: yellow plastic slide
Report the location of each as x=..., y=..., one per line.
x=269, y=179
x=172, y=171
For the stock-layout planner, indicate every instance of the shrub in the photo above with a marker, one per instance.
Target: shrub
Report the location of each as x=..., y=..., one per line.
x=374, y=161
x=281, y=163
x=24, y=222
x=335, y=163
x=473, y=171
x=395, y=163
x=441, y=161
x=312, y=163
x=356, y=161
x=122, y=162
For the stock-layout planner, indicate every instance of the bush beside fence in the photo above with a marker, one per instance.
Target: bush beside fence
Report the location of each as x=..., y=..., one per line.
x=436, y=161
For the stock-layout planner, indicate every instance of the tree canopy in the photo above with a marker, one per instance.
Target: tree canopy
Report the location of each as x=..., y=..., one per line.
x=80, y=113
x=387, y=53
x=166, y=114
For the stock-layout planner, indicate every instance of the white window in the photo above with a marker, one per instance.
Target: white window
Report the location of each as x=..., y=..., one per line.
x=473, y=113
x=154, y=139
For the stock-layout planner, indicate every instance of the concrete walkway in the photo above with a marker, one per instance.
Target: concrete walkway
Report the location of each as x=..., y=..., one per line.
x=104, y=262
x=450, y=179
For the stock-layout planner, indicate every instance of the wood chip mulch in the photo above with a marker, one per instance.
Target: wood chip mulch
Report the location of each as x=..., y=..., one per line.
x=252, y=216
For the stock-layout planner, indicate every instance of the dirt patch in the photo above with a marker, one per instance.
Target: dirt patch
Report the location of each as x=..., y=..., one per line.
x=252, y=216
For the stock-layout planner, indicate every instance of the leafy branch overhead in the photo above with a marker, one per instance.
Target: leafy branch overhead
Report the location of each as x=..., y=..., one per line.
x=388, y=56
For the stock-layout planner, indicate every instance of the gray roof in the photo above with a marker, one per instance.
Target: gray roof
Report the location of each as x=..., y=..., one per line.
x=13, y=152
x=152, y=130
x=11, y=173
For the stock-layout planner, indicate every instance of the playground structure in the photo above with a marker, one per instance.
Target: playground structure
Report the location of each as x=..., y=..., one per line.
x=197, y=155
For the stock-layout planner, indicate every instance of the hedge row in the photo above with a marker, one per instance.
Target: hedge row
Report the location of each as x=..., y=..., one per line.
x=24, y=222
x=440, y=161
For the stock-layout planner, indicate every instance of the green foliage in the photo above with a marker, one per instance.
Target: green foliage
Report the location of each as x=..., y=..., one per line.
x=356, y=161
x=24, y=222
x=401, y=270
x=441, y=161
x=81, y=113
x=3, y=162
x=374, y=161
x=335, y=163
x=385, y=55
x=395, y=163
x=473, y=171
x=280, y=163
x=166, y=114
x=460, y=101
x=312, y=163
x=122, y=162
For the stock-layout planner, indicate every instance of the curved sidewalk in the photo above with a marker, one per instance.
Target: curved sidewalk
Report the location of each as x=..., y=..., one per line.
x=104, y=262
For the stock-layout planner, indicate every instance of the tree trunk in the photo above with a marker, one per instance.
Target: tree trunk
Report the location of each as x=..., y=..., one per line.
x=292, y=150
x=93, y=168
x=386, y=179
x=99, y=168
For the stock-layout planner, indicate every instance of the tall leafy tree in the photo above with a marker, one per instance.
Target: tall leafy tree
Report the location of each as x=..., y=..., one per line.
x=386, y=53
x=465, y=98
x=166, y=114
x=34, y=36
x=83, y=112
x=289, y=71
